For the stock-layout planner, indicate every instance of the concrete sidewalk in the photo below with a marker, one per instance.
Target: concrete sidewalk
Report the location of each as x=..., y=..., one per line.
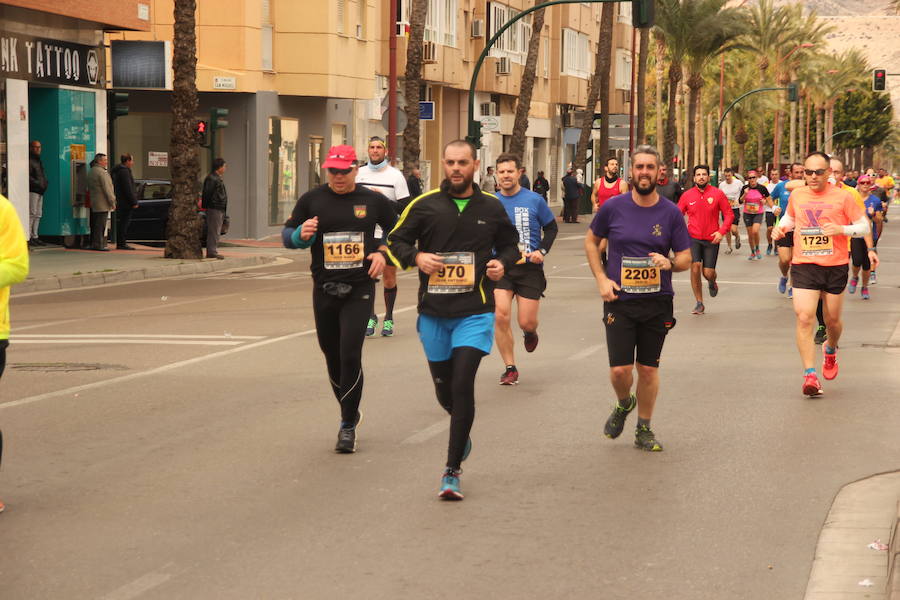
x=56, y=268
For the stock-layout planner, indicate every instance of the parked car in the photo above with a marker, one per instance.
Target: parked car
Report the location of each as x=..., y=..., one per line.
x=150, y=219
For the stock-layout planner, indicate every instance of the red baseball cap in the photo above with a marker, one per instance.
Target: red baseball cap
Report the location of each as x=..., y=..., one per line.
x=340, y=157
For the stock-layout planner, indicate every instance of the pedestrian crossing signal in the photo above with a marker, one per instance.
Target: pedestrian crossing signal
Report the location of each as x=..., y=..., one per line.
x=201, y=130
x=879, y=80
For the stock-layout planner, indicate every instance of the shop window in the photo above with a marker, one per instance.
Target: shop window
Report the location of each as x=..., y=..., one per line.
x=282, y=167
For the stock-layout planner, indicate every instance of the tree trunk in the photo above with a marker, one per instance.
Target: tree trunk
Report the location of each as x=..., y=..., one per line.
x=829, y=127
x=671, y=131
x=644, y=46
x=729, y=142
x=660, y=132
x=801, y=120
x=776, y=140
x=819, y=129
x=694, y=83
x=741, y=161
x=411, y=147
x=595, y=90
x=523, y=106
x=792, y=150
x=606, y=41
x=760, y=150
x=183, y=239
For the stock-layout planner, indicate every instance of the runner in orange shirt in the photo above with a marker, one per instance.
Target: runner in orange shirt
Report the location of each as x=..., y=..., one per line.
x=821, y=217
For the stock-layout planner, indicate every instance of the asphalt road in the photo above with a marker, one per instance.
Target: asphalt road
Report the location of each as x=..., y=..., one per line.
x=185, y=449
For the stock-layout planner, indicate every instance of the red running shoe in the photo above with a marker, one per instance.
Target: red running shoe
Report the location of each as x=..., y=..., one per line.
x=830, y=366
x=811, y=385
x=510, y=376
x=531, y=341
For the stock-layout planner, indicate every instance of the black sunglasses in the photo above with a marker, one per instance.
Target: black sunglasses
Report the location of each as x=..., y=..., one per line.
x=334, y=171
x=818, y=172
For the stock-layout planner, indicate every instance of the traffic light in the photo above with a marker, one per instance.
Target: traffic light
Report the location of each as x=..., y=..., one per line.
x=218, y=118
x=117, y=104
x=643, y=13
x=201, y=129
x=879, y=80
x=793, y=94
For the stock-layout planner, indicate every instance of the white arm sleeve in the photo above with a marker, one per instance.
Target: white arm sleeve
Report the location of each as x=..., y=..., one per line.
x=786, y=223
x=859, y=228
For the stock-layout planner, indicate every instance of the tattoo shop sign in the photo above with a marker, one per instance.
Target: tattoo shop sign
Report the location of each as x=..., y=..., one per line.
x=51, y=61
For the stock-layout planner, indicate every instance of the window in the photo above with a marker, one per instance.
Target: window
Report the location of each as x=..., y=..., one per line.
x=576, y=54
x=361, y=23
x=282, y=167
x=624, y=12
x=266, y=38
x=546, y=45
x=339, y=14
x=440, y=22
x=623, y=69
x=514, y=41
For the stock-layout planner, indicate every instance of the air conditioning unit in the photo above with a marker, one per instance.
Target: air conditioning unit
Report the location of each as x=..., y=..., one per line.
x=478, y=28
x=429, y=52
x=489, y=109
x=503, y=65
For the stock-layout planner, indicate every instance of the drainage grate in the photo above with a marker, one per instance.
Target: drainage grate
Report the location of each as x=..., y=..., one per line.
x=65, y=367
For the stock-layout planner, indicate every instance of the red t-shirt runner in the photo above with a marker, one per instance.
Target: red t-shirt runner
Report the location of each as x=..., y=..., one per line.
x=703, y=209
x=810, y=210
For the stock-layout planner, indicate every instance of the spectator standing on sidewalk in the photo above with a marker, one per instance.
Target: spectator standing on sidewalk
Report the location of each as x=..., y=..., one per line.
x=126, y=195
x=414, y=184
x=13, y=269
x=571, y=195
x=541, y=186
x=37, y=185
x=215, y=203
x=103, y=200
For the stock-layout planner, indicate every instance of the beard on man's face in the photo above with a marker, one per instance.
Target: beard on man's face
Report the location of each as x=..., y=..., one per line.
x=462, y=186
x=644, y=187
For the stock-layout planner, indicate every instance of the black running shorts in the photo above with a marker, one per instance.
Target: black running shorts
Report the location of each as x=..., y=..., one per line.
x=750, y=219
x=770, y=219
x=787, y=241
x=704, y=251
x=526, y=280
x=859, y=253
x=737, y=217
x=636, y=329
x=831, y=280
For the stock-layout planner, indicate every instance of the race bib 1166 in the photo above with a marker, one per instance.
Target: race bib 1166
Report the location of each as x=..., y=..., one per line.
x=343, y=249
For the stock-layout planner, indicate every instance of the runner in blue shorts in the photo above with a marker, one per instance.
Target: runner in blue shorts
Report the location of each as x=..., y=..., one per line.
x=462, y=241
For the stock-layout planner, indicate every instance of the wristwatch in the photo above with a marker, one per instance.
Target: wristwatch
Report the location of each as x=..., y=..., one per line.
x=542, y=251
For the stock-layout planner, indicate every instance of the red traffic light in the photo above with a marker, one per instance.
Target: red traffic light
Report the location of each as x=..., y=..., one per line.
x=879, y=83
x=201, y=126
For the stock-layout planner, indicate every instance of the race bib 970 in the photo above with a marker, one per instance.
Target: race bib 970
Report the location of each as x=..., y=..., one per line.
x=343, y=249
x=814, y=243
x=457, y=276
x=639, y=275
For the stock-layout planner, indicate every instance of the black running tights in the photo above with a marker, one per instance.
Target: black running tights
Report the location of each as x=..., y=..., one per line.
x=820, y=314
x=454, y=384
x=341, y=329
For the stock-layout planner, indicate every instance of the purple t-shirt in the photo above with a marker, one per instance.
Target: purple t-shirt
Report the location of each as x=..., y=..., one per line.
x=633, y=232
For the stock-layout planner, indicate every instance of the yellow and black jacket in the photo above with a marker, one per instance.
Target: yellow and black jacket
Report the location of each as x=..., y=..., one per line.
x=13, y=259
x=433, y=223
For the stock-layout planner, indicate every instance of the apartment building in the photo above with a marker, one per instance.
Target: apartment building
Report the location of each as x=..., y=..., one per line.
x=52, y=89
x=301, y=75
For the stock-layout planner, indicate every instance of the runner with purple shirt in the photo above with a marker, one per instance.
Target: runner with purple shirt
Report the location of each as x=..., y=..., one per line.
x=636, y=286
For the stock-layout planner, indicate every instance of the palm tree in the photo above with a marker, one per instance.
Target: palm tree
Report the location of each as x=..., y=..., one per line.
x=677, y=31
x=520, y=125
x=720, y=27
x=599, y=83
x=417, y=11
x=183, y=240
x=643, y=48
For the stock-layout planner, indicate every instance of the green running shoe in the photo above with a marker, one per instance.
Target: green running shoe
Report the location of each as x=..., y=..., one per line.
x=821, y=335
x=616, y=421
x=387, y=329
x=645, y=440
x=370, y=328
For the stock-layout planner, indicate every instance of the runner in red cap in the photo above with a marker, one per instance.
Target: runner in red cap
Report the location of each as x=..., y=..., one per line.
x=703, y=204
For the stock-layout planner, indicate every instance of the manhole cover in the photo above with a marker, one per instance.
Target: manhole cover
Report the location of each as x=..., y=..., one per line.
x=65, y=367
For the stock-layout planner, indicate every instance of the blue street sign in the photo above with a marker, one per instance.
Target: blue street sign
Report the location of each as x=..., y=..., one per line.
x=426, y=111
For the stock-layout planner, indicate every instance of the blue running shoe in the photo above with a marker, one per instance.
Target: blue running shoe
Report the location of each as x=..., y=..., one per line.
x=851, y=285
x=782, y=285
x=790, y=293
x=450, y=486
x=467, y=449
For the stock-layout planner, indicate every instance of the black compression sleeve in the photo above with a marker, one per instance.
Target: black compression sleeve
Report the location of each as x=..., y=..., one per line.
x=550, y=231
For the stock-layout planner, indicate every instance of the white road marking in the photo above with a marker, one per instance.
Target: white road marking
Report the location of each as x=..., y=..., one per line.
x=687, y=281
x=164, y=368
x=140, y=335
x=587, y=352
x=142, y=584
x=895, y=337
x=429, y=432
x=131, y=341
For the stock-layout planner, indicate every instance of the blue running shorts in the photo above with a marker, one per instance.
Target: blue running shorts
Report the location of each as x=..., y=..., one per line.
x=440, y=335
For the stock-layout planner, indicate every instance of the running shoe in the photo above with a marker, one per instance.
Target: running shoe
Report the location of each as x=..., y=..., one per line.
x=829, y=366
x=851, y=287
x=872, y=279
x=467, y=450
x=616, y=421
x=811, y=385
x=790, y=293
x=645, y=440
x=450, y=486
x=729, y=251
x=699, y=309
x=769, y=250
x=864, y=292
x=531, y=341
x=752, y=256
x=713, y=289
x=782, y=285
x=387, y=328
x=370, y=328
x=346, y=442
x=737, y=242
x=510, y=376
x=821, y=335
x=758, y=255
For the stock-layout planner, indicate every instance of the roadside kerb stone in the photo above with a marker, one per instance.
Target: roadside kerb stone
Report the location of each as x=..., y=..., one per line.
x=893, y=584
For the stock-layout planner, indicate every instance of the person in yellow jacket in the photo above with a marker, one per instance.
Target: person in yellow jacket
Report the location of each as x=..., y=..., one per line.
x=13, y=269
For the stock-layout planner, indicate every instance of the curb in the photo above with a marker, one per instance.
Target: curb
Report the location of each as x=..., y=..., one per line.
x=182, y=267
x=893, y=582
